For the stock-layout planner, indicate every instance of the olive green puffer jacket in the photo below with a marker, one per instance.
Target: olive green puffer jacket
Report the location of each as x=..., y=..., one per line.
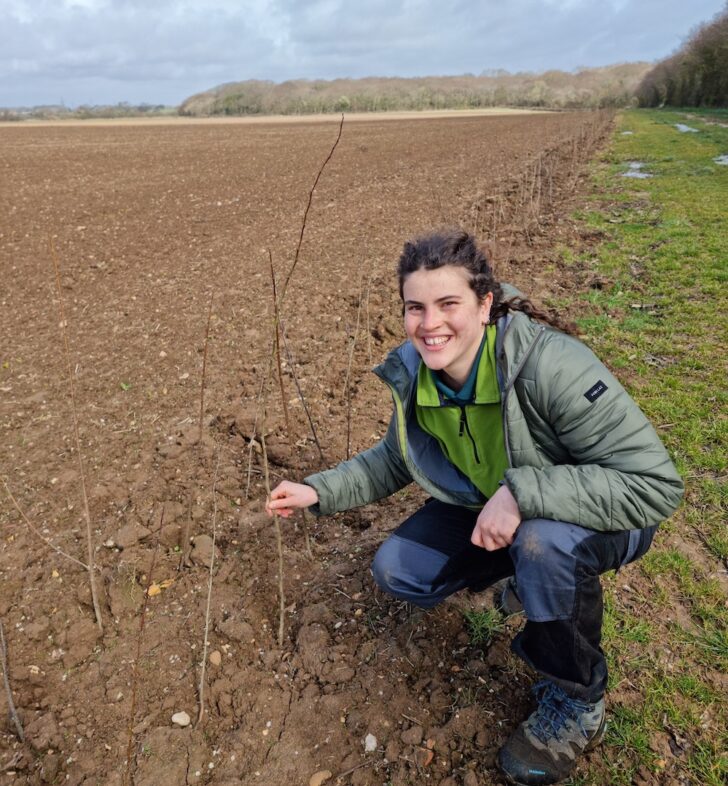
x=579, y=449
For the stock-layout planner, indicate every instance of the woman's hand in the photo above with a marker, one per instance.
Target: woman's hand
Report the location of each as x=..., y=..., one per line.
x=287, y=496
x=498, y=521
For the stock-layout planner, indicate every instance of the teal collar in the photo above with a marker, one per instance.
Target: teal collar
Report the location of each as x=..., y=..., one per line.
x=466, y=394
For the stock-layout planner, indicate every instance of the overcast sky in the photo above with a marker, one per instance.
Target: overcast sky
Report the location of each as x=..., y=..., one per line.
x=162, y=51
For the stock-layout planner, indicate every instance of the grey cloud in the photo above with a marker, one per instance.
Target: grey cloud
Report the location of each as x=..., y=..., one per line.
x=110, y=50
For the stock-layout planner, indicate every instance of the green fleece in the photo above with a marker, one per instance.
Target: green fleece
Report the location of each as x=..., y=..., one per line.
x=470, y=435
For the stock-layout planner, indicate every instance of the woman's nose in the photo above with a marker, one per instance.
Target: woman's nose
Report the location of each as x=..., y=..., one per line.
x=430, y=319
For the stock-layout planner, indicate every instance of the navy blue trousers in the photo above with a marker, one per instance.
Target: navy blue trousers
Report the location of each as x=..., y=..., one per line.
x=556, y=565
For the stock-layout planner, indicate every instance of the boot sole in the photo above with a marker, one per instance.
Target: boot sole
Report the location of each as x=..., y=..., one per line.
x=593, y=743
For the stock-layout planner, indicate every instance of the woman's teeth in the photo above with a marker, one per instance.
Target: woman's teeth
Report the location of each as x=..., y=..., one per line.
x=433, y=342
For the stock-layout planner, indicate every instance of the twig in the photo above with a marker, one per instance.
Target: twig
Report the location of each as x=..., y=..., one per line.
x=89, y=538
x=300, y=394
x=366, y=763
x=204, y=365
x=261, y=392
x=347, y=387
x=279, y=543
x=209, y=592
x=135, y=669
x=6, y=679
x=38, y=533
x=185, y=543
x=306, y=537
x=277, y=337
x=305, y=213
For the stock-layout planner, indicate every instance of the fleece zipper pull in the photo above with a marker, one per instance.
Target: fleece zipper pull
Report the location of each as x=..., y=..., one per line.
x=465, y=427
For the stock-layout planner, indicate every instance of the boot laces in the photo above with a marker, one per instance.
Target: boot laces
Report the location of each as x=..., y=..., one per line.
x=555, y=709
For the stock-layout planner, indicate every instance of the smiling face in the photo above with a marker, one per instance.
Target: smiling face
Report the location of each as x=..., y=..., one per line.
x=444, y=320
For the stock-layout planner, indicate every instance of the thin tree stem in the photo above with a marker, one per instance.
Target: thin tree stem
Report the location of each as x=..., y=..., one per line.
x=6, y=679
x=209, y=592
x=305, y=212
x=89, y=537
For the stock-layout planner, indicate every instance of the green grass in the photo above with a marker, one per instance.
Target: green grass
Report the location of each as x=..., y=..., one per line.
x=659, y=318
x=483, y=626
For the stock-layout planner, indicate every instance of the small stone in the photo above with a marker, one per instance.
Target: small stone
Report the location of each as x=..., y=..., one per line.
x=130, y=534
x=370, y=743
x=215, y=658
x=202, y=550
x=470, y=779
x=319, y=777
x=181, y=719
x=412, y=736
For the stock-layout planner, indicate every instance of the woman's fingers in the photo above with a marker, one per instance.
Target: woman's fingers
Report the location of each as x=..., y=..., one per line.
x=288, y=496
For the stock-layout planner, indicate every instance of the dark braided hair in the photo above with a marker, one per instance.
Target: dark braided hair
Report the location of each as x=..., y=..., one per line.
x=457, y=247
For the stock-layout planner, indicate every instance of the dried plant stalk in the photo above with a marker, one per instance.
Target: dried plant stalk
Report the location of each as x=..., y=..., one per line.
x=279, y=544
x=38, y=533
x=6, y=679
x=209, y=592
x=135, y=670
x=71, y=387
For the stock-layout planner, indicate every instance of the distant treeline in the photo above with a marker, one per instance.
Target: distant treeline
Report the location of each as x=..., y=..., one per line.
x=696, y=75
x=59, y=112
x=609, y=86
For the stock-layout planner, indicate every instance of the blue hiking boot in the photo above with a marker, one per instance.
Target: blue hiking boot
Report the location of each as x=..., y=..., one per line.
x=544, y=748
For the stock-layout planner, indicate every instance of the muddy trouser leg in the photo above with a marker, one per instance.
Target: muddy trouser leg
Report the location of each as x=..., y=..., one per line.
x=557, y=568
x=430, y=556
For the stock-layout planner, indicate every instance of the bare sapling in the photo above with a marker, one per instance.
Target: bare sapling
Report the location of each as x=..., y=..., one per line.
x=13, y=713
x=281, y=326
x=127, y=781
x=204, y=367
x=279, y=543
x=302, y=398
x=277, y=347
x=305, y=212
x=185, y=554
x=347, y=381
x=71, y=387
x=206, y=639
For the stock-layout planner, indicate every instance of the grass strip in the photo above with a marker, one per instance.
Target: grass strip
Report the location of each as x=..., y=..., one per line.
x=653, y=307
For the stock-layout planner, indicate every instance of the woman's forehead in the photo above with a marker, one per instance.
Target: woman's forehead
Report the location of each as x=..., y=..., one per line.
x=446, y=280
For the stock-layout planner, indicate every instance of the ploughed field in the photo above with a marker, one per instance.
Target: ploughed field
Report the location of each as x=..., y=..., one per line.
x=149, y=223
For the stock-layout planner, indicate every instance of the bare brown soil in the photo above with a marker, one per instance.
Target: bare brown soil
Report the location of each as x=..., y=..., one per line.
x=149, y=223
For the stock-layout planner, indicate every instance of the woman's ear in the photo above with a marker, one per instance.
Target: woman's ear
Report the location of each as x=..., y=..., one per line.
x=485, y=306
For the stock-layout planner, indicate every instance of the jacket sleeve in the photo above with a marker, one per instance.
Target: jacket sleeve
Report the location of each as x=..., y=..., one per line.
x=620, y=476
x=371, y=475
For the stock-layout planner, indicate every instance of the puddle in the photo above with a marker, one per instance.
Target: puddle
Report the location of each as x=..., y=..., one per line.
x=722, y=160
x=683, y=129
x=635, y=170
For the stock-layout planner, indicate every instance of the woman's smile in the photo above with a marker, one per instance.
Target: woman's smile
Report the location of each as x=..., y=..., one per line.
x=444, y=320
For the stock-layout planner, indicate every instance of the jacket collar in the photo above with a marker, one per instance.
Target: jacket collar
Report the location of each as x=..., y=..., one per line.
x=515, y=336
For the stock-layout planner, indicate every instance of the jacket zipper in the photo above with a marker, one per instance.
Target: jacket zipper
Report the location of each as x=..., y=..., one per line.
x=465, y=427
